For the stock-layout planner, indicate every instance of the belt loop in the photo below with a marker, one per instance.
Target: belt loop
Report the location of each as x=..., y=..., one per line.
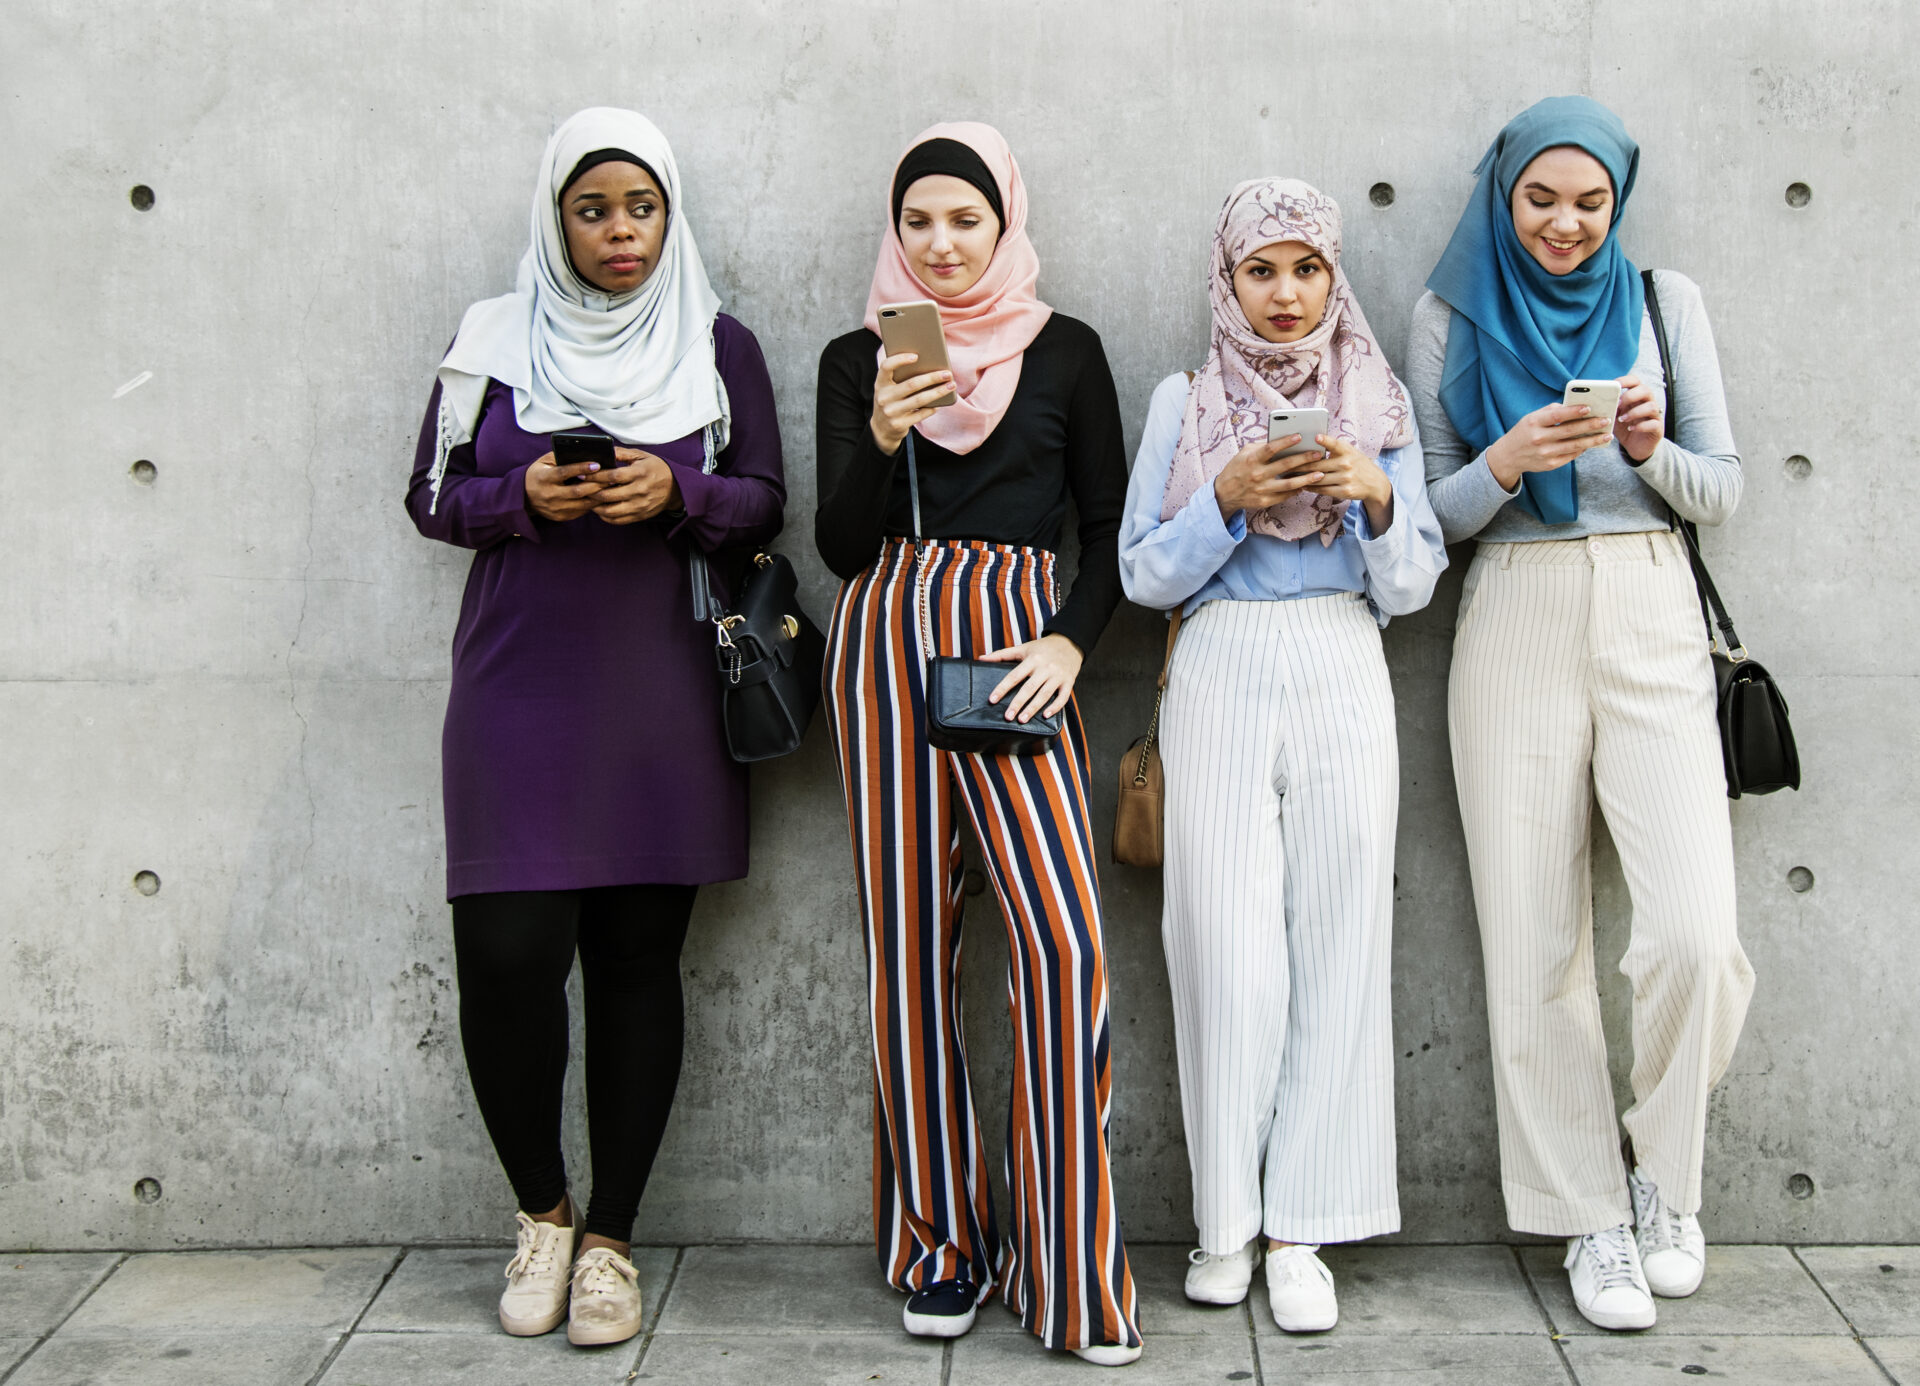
x=1506, y=557
x=1653, y=547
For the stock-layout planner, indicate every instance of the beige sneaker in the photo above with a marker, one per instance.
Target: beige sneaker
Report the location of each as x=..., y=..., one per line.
x=535, y=1300
x=606, y=1299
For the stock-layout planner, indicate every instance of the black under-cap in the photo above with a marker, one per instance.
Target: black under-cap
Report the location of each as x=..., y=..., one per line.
x=611, y=156
x=953, y=159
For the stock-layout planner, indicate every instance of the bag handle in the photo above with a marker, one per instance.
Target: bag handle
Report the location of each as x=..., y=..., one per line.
x=1709, y=594
x=706, y=607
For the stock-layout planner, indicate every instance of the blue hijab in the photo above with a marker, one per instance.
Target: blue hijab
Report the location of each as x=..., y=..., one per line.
x=1519, y=334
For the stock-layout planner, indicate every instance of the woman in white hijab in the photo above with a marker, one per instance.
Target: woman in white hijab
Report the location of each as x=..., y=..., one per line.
x=561, y=838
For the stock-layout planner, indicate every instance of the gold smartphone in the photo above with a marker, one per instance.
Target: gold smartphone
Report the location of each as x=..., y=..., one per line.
x=915, y=327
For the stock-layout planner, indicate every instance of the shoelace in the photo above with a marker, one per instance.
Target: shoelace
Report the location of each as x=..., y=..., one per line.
x=536, y=1252
x=1612, y=1252
x=601, y=1271
x=1299, y=1266
x=1665, y=1233
x=1198, y=1257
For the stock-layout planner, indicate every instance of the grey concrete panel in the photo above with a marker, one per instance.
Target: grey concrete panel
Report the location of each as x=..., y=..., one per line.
x=227, y=1292
x=1747, y=1290
x=458, y=1291
x=1629, y=1360
x=1876, y=1287
x=1159, y=1279
x=39, y=1289
x=780, y=1289
x=13, y=1349
x=1421, y=1290
x=1457, y=1359
x=828, y=1358
x=258, y=1358
x=234, y=677
x=1900, y=1356
x=430, y=1359
x=1169, y=1360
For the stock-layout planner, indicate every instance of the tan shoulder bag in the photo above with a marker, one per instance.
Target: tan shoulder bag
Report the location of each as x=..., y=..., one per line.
x=1138, y=820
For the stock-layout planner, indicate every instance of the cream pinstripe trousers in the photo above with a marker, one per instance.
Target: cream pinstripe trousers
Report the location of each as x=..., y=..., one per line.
x=1580, y=672
x=1283, y=785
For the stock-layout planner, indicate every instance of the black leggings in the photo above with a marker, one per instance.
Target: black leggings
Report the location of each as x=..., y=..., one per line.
x=513, y=951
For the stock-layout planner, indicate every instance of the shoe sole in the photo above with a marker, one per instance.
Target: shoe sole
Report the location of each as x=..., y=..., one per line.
x=1212, y=1299
x=1305, y=1325
x=1670, y=1293
x=532, y=1328
x=937, y=1325
x=1617, y=1323
x=599, y=1337
x=1107, y=1355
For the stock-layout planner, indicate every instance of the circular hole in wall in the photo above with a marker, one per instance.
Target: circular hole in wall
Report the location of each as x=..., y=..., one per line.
x=1800, y=1186
x=1799, y=880
x=143, y=472
x=146, y=883
x=1693, y=1369
x=141, y=197
x=1799, y=468
x=974, y=881
x=1381, y=194
x=147, y=1190
x=1798, y=194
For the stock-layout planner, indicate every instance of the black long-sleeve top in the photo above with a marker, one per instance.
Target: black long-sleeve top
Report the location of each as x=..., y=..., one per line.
x=1060, y=438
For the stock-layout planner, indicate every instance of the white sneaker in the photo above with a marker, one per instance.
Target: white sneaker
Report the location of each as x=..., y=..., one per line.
x=1673, y=1249
x=1109, y=1354
x=535, y=1300
x=606, y=1299
x=1300, y=1290
x=1609, y=1287
x=1221, y=1279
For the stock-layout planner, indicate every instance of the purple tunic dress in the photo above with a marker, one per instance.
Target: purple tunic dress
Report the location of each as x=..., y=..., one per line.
x=583, y=744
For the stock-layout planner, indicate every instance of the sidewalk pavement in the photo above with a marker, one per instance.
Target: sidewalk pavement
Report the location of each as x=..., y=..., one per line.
x=770, y=1315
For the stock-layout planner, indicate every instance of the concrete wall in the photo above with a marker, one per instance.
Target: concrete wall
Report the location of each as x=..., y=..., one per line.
x=233, y=676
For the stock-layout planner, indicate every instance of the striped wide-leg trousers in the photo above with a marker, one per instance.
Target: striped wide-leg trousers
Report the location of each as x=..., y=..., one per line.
x=1063, y=1266
x=1283, y=784
x=1581, y=672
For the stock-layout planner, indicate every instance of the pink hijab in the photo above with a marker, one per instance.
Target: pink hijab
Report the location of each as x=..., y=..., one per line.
x=1338, y=366
x=989, y=327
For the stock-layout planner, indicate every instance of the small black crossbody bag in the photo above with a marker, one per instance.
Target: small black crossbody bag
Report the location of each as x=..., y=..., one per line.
x=959, y=717
x=769, y=653
x=1756, y=740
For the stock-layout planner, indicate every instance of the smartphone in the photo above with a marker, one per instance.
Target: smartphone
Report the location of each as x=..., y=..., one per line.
x=1308, y=423
x=1601, y=396
x=915, y=327
x=569, y=448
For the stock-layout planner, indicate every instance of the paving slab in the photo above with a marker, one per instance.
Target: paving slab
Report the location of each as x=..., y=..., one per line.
x=781, y=1289
x=1900, y=1356
x=1159, y=1280
x=1747, y=1290
x=12, y=1350
x=1421, y=1289
x=1450, y=1359
x=1169, y=1360
x=178, y=1359
x=443, y=1290
x=234, y=1291
x=431, y=1359
x=1645, y=1360
x=818, y=1359
x=1876, y=1287
x=40, y=1288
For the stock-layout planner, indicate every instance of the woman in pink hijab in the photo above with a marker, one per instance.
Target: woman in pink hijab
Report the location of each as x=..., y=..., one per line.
x=943, y=520
x=1277, y=568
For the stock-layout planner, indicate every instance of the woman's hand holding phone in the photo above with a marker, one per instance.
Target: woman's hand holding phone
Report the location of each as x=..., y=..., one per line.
x=558, y=492
x=1639, y=424
x=639, y=487
x=1549, y=437
x=898, y=406
x=1257, y=476
x=1349, y=474
x=1042, y=678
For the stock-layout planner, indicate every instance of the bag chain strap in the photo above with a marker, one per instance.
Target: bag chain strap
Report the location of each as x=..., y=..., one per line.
x=1153, y=725
x=920, y=549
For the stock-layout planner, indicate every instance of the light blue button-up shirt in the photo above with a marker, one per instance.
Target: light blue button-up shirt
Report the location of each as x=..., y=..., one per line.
x=1199, y=557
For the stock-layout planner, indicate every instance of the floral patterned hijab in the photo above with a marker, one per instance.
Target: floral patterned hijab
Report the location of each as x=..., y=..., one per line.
x=1338, y=366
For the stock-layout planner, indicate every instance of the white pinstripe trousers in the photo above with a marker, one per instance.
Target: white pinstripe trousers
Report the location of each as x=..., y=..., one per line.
x=1580, y=671
x=1283, y=784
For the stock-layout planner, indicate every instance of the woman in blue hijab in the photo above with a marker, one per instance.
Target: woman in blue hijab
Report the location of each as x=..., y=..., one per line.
x=1580, y=673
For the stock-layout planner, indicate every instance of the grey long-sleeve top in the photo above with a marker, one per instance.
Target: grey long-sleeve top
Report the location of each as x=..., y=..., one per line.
x=1700, y=476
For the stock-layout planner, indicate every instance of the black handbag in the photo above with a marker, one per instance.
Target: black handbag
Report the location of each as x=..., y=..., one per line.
x=1757, y=747
x=959, y=717
x=768, y=652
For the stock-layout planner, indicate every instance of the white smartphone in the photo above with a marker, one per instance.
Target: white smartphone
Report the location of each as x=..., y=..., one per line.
x=915, y=327
x=1308, y=423
x=1601, y=396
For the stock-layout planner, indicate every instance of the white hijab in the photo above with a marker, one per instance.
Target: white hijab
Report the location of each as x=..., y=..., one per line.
x=639, y=366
